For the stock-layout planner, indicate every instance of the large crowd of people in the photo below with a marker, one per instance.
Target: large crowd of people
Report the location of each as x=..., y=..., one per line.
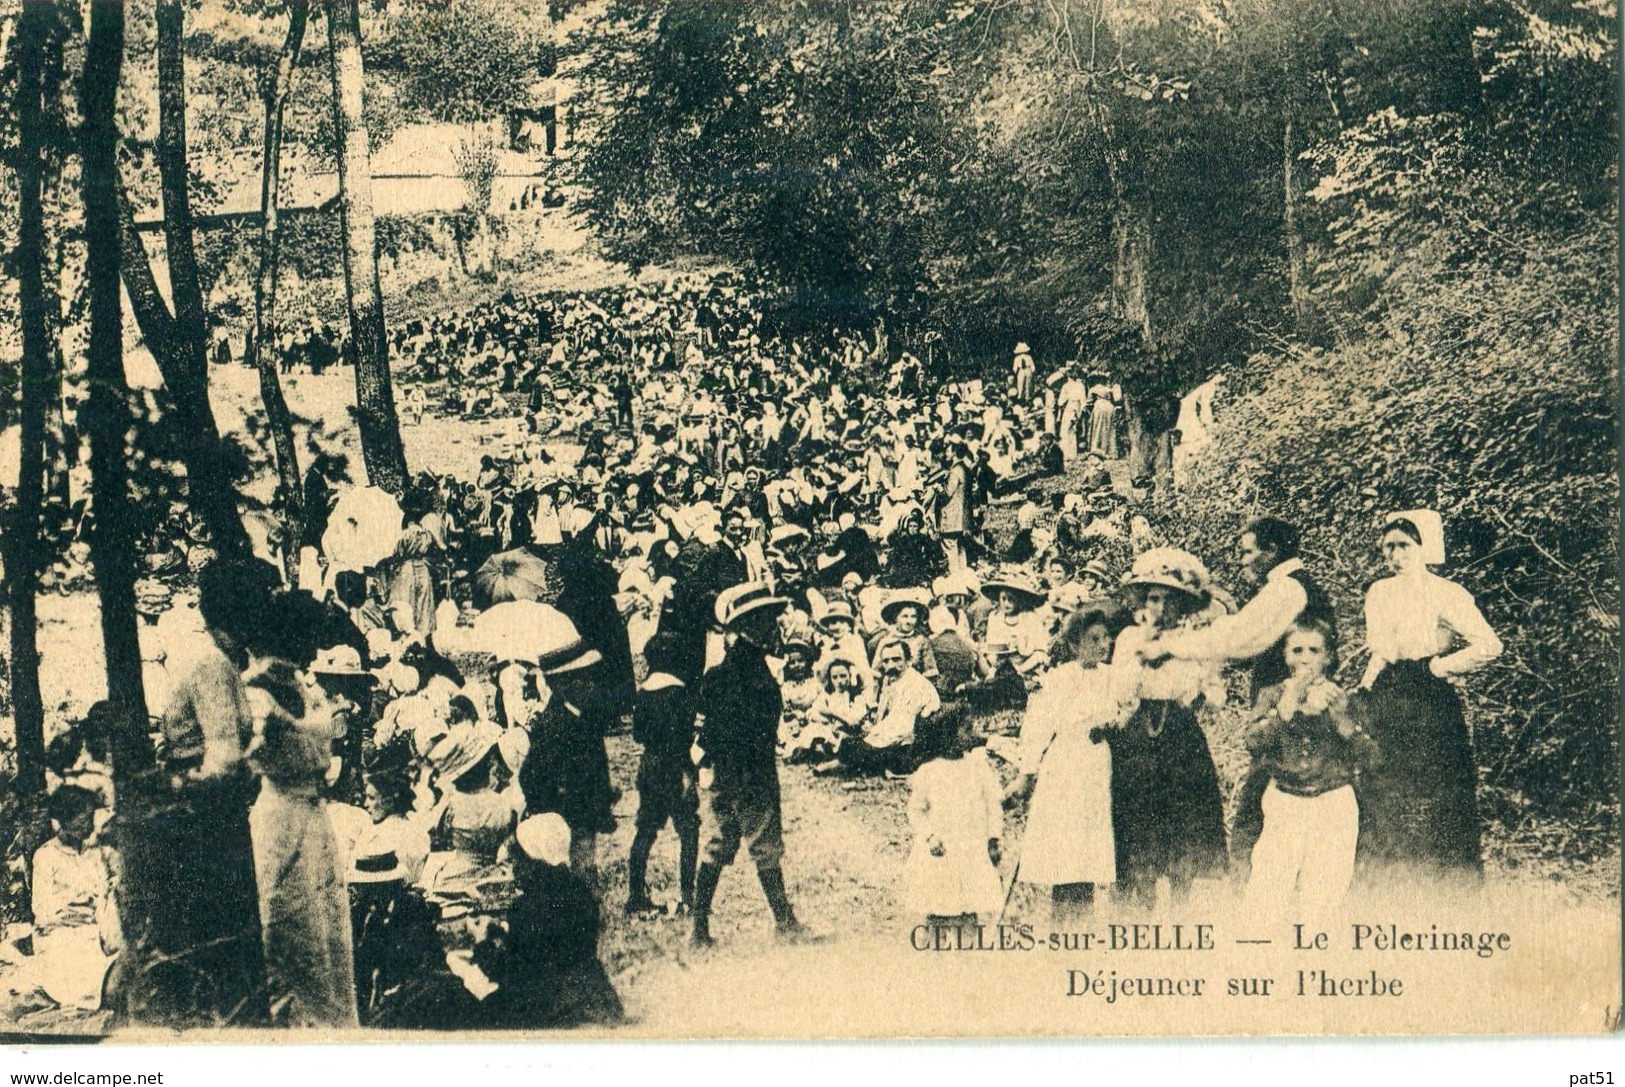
x=382, y=787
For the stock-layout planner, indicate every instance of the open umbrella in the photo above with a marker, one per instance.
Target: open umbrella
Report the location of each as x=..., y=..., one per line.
x=521, y=630
x=363, y=528
x=512, y=575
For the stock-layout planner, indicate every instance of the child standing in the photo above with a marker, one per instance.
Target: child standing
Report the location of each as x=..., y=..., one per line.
x=663, y=722
x=957, y=815
x=1313, y=749
x=1066, y=766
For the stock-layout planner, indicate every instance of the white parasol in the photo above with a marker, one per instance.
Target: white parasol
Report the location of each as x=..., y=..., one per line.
x=363, y=528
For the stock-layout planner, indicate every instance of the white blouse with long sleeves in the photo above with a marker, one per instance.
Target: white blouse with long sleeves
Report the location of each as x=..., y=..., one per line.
x=1420, y=616
x=1170, y=680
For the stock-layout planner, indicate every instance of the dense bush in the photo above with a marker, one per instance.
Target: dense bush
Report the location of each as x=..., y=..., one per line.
x=1477, y=376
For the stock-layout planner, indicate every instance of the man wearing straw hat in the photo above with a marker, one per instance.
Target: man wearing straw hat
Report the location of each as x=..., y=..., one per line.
x=566, y=769
x=739, y=706
x=1022, y=369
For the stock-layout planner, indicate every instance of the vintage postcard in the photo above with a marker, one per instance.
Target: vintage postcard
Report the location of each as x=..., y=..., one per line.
x=809, y=519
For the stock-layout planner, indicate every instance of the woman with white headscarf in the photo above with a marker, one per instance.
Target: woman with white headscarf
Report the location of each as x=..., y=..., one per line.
x=1419, y=808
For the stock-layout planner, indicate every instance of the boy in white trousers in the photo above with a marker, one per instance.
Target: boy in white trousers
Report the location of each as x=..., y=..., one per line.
x=1313, y=749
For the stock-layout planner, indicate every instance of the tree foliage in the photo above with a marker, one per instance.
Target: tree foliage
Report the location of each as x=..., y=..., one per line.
x=981, y=168
x=1471, y=270
x=466, y=61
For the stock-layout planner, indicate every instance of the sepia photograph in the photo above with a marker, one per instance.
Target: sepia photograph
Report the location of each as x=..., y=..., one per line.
x=808, y=519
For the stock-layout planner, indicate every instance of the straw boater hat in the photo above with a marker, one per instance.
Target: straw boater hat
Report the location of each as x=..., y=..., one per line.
x=544, y=838
x=380, y=867
x=560, y=647
x=1169, y=568
x=1014, y=581
x=907, y=598
x=738, y=601
x=837, y=609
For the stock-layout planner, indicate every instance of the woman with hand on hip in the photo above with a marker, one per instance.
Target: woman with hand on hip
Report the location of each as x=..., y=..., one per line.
x=1419, y=811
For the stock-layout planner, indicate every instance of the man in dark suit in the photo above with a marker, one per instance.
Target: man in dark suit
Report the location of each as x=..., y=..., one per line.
x=739, y=706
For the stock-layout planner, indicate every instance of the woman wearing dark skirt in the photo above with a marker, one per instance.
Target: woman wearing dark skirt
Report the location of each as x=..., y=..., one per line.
x=1167, y=812
x=1419, y=810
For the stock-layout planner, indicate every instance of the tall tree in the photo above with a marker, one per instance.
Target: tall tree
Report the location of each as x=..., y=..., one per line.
x=106, y=415
x=22, y=535
x=209, y=480
x=280, y=421
x=59, y=235
x=381, y=448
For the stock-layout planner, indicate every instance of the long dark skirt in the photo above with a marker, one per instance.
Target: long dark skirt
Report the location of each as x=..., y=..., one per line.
x=1167, y=814
x=195, y=957
x=1419, y=806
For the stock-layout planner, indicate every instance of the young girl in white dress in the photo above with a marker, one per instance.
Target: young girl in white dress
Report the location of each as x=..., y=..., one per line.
x=956, y=813
x=1066, y=766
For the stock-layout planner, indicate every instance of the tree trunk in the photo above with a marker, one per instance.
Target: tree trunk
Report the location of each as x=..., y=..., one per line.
x=106, y=416
x=1292, y=193
x=264, y=338
x=22, y=534
x=159, y=330
x=146, y=301
x=1131, y=270
x=58, y=323
x=375, y=400
x=208, y=480
x=1131, y=235
x=59, y=330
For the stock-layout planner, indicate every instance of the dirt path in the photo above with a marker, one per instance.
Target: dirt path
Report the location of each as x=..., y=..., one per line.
x=845, y=849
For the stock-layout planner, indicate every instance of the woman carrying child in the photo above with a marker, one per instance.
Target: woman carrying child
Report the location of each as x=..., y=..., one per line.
x=1167, y=814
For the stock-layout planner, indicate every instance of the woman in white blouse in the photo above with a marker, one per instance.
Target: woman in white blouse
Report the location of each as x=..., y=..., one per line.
x=1419, y=808
x=1017, y=633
